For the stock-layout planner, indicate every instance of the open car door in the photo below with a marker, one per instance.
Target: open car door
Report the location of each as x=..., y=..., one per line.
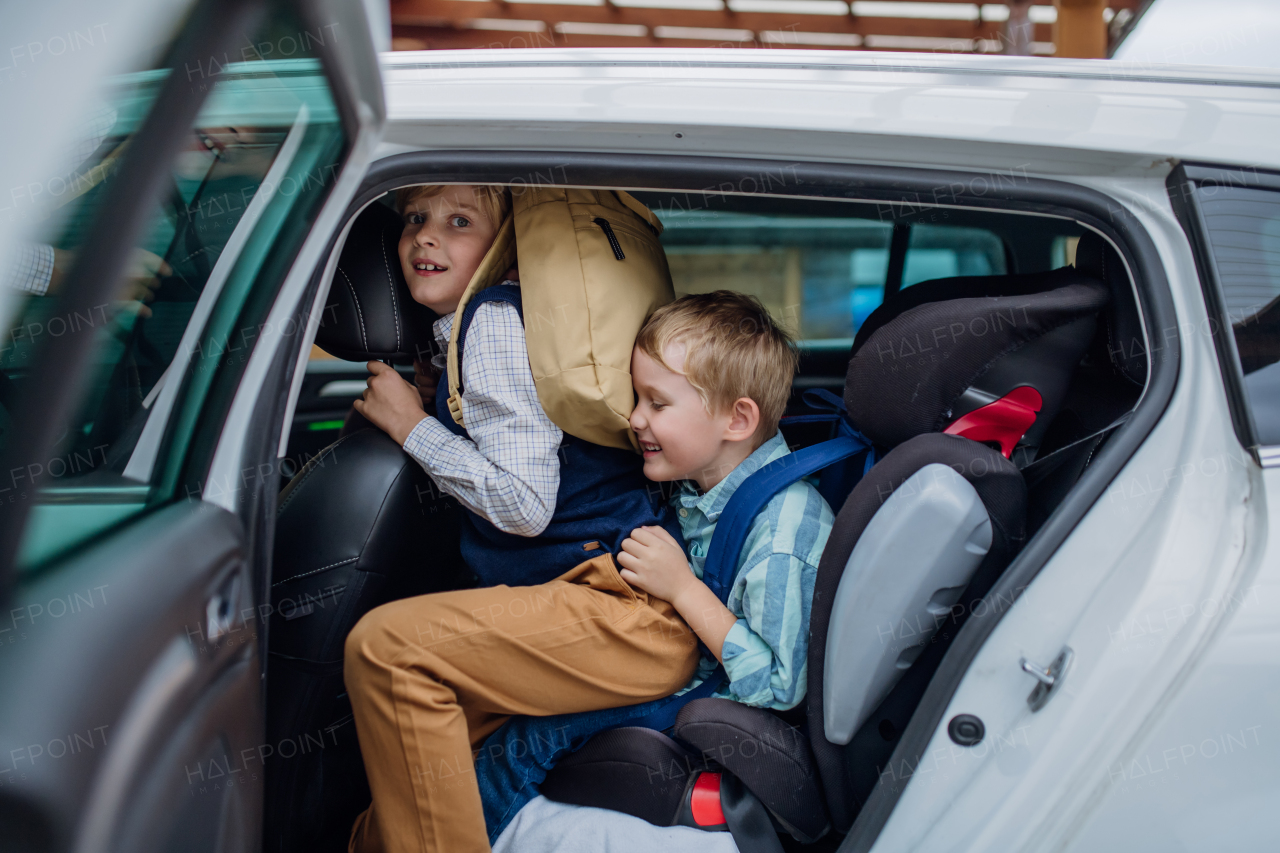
x=144, y=373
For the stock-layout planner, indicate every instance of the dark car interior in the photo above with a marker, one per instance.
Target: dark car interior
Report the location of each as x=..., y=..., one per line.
x=1003, y=347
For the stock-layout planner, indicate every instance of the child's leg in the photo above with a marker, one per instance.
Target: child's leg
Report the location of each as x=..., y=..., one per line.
x=430, y=677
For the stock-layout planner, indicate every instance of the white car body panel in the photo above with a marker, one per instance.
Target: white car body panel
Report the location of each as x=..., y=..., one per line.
x=1130, y=587
x=1054, y=117
x=1162, y=540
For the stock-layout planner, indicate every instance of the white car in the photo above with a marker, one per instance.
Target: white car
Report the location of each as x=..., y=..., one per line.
x=184, y=182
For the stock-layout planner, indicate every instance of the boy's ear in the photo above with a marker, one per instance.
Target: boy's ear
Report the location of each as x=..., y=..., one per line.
x=744, y=420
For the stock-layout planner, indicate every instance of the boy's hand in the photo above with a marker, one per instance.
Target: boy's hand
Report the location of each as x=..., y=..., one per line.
x=427, y=379
x=390, y=403
x=654, y=561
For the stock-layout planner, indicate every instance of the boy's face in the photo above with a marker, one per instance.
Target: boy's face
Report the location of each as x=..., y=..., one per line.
x=445, y=237
x=680, y=439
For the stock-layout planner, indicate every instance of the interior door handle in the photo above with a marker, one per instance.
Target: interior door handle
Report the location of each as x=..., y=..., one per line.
x=220, y=611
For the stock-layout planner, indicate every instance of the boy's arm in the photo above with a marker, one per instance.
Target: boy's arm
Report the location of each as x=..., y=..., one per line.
x=766, y=651
x=509, y=472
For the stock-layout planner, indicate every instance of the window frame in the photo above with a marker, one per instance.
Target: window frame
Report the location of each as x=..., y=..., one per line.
x=1184, y=184
x=910, y=189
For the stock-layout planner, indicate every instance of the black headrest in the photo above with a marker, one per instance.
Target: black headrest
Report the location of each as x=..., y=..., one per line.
x=927, y=363
x=370, y=313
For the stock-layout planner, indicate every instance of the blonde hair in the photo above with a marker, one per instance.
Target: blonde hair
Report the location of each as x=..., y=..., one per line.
x=733, y=349
x=494, y=200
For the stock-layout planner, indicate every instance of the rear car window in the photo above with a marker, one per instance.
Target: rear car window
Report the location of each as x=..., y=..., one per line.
x=1244, y=234
x=821, y=277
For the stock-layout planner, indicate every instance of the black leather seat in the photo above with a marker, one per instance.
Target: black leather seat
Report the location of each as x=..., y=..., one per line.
x=361, y=524
x=935, y=353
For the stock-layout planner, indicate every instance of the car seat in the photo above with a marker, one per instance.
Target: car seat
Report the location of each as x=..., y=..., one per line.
x=951, y=387
x=359, y=525
x=1104, y=387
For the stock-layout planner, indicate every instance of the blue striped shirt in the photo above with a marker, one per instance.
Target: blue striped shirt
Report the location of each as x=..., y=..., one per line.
x=766, y=651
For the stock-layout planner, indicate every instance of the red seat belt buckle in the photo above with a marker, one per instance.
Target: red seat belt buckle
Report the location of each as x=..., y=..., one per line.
x=705, y=801
x=1004, y=421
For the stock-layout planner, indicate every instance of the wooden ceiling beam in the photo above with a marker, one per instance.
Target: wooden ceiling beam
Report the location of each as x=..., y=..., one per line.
x=461, y=14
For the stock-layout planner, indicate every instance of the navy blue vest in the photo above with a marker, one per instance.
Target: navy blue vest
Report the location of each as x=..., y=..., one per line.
x=603, y=496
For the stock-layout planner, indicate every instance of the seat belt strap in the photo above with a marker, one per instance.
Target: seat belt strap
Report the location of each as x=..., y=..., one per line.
x=665, y=717
x=735, y=520
x=747, y=818
x=1051, y=460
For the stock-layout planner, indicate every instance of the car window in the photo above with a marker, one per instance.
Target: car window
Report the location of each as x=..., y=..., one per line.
x=819, y=276
x=1244, y=235
x=944, y=251
x=261, y=156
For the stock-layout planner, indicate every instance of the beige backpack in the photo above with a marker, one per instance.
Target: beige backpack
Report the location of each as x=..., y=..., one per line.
x=591, y=272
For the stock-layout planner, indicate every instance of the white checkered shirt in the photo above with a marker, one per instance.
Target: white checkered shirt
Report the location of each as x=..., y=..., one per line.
x=32, y=269
x=509, y=471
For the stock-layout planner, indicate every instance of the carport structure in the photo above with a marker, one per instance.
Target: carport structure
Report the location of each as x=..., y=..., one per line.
x=1075, y=28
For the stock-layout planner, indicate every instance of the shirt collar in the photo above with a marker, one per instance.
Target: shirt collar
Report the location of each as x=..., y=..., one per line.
x=443, y=327
x=713, y=502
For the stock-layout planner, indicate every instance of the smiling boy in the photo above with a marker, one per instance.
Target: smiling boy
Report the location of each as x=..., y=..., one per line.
x=712, y=374
x=556, y=629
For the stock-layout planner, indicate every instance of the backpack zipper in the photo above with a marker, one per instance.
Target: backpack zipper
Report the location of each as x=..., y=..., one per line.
x=613, y=240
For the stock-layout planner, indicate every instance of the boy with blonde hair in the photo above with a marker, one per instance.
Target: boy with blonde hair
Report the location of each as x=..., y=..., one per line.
x=712, y=375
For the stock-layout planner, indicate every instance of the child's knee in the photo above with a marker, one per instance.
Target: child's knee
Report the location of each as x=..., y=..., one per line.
x=366, y=642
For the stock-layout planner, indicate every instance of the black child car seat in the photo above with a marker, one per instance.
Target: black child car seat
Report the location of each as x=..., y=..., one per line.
x=926, y=531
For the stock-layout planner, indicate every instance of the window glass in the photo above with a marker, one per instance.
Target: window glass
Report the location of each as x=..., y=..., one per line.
x=1244, y=232
x=260, y=158
x=820, y=277
x=943, y=251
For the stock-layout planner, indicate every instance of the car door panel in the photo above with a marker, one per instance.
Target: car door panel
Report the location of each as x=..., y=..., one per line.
x=106, y=724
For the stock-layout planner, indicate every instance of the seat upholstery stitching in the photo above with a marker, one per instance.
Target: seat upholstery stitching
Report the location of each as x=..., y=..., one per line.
x=315, y=571
x=308, y=472
x=359, y=312
x=391, y=284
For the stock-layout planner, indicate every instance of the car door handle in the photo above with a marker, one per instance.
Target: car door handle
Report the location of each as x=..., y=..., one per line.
x=220, y=610
x=344, y=388
x=1049, y=678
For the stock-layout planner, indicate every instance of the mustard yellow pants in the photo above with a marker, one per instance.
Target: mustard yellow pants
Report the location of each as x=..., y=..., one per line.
x=431, y=677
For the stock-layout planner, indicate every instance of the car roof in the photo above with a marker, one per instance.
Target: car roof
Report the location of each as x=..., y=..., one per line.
x=1049, y=115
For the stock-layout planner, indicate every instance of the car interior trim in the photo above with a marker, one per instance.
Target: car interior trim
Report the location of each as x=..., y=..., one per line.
x=304, y=346
x=228, y=458
x=173, y=671
x=1184, y=184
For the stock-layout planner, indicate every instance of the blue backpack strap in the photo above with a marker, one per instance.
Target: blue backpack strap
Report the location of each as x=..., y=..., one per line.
x=735, y=520
x=498, y=293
